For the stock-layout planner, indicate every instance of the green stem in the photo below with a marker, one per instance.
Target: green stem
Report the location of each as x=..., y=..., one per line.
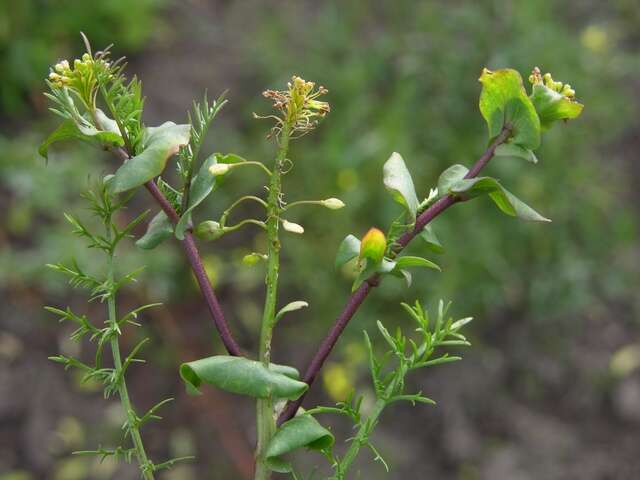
x=302, y=202
x=266, y=424
x=228, y=211
x=367, y=425
x=125, y=401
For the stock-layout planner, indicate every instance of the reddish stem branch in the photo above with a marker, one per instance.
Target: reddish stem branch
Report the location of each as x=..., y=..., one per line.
x=363, y=291
x=191, y=251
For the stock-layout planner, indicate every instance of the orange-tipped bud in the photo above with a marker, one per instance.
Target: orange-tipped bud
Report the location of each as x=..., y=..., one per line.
x=373, y=245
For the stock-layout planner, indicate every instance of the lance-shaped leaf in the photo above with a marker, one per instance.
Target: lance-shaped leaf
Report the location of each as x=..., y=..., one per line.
x=159, y=144
x=504, y=102
x=202, y=185
x=158, y=230
x=512, y=205
x=398, y=182
x=300, y=431
x=348, y=250
x=68, y=130
x=410, y=261
x=553, y=106
x=431, y=239
x=511, y=150
x=243, y=376
x=449, y=177
x=505, y=200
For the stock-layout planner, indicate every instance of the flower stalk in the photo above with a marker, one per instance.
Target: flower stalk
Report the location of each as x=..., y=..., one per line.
x=266, y=424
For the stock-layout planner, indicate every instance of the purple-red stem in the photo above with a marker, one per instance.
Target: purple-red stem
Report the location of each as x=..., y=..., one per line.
x=363, y=291
x=191, y=251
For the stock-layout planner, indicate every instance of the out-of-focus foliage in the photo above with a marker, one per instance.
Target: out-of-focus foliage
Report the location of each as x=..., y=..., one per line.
x=33, y=33
x=402, y=76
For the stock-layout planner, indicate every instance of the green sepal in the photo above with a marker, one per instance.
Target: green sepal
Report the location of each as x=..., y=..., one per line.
x=300, y=431
x=244, y=377
x=504, y=102
x=158, y=145
x=158, y=230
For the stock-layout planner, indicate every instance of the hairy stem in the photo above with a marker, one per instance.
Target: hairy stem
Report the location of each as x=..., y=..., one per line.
x=363, y=291
x=266, y=424
x=125, y=401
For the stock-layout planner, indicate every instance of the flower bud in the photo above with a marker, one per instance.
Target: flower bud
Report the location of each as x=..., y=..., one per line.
x=219, y=169
x=209, y=230
x=373, y=245
x=253, y=258
x=292, y=227
x=333, y=203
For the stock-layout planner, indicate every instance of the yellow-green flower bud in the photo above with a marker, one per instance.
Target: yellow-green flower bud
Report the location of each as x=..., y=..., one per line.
x=333, y=203
x=253, y=258
x=209, y=230
x=219, y=169
x=292, y=227
x=373, y=245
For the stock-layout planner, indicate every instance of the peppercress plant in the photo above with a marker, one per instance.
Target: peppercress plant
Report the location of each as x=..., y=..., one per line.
x=100, y=106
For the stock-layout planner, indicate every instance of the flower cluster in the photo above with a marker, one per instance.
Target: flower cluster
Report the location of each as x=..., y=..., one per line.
x=298, y=106
x=82, y=77
x=536, y=78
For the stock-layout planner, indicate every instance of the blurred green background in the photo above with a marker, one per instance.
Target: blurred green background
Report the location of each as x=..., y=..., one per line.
x=550, y=388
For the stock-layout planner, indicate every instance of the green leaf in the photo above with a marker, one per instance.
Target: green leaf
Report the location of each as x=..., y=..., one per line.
x=300, y=431
x=432, y=241
x=398, y=182
x=474, y=187
x=511, y=150
x=408, y=278
x=243, y=376
x=68, y=130
x=290, y=307
x=505, y=200
x=553, y=106
x=503, y=101
x=158, y=230
x=159, y=144
x=449, y=177
x=409, y=261
x=511, y=205
x=348, y=250
x=202, y=185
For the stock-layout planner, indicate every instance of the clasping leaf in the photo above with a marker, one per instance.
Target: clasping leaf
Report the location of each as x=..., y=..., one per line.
x=300, y=431
x=159, y=144
x=243, y=376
